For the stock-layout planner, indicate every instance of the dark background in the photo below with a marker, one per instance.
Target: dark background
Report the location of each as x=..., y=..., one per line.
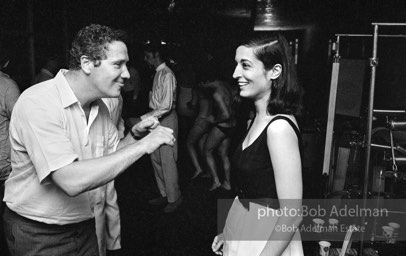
x=193, y=26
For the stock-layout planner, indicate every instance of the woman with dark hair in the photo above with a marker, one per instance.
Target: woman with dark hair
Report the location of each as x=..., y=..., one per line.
x=267, y=162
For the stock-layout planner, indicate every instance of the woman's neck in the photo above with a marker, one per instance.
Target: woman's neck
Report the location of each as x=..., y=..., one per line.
x=261, y=107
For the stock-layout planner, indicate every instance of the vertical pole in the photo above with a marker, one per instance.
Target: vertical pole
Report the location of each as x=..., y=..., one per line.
x=31, y=42
x=373, y=63
x=330, y=120
x=291, y=47
x=296, y=50
x=337, y=55
x=329, y=49
x=331, y=111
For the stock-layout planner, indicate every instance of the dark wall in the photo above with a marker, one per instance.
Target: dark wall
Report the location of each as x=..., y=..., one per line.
x=195, y=25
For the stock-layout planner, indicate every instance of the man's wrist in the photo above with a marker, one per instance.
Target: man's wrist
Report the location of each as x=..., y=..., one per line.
x=135, y=137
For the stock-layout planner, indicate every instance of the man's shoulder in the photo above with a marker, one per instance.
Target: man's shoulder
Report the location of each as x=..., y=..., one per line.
x=167, y=72
x=163, y=68
x=43, y=93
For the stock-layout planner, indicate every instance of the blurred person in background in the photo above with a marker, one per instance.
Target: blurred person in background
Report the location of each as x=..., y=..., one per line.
x=9, y=93
x=162, y=102
x=47, y=71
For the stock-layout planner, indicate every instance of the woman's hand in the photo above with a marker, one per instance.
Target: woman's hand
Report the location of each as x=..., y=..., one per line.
x=217, y=245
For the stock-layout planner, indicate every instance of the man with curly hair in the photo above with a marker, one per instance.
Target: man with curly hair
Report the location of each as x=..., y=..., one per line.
x=64, y=145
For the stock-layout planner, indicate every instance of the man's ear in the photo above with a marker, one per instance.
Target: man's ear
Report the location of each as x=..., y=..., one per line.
x=86, y=64
x=275, y=72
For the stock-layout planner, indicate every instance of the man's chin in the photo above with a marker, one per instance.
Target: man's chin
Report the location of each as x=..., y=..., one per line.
x=113, y=95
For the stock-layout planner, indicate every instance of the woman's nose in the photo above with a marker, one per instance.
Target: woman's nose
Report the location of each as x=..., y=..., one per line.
x=236, y=73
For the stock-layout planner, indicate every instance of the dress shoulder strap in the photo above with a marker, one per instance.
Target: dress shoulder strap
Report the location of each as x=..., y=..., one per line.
x=292, y=124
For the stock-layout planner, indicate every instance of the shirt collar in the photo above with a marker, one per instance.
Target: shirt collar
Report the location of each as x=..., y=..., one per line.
x=163, y=65
x=67, y=96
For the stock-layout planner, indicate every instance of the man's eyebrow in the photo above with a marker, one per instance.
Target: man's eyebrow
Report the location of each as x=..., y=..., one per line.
x=120, y=61
x=245, y=60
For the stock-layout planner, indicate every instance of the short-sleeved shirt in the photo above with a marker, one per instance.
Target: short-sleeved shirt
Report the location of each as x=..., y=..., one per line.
x=9, y=93
x=115, y=106
x=49, y=130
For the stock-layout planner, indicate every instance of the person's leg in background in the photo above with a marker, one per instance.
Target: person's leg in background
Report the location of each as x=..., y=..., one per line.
x=169, y=157
x=3, y=244
x=225, y=158
x=199, y=129
x=165, y=168
x=157, y=165
x=213, y=141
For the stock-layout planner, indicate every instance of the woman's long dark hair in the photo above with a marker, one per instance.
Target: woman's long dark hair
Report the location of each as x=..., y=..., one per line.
x=286, y=93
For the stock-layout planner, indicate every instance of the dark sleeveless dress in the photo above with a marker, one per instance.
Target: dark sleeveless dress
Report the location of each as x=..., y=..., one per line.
x=252, y=167
x=245, y=233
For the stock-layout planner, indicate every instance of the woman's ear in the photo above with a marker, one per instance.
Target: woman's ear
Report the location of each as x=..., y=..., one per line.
x=275, y=72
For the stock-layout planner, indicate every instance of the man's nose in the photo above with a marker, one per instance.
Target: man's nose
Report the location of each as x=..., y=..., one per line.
x=126, y=73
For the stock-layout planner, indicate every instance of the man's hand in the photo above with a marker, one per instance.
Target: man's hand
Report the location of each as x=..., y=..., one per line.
x=148, y=124
x=158, y=136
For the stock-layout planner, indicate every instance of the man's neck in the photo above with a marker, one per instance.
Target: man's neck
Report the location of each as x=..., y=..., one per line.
x=157, y=64
x=80, y=87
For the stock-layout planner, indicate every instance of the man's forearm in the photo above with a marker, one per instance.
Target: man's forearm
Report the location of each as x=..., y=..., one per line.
x=85, y=175
x=127, y=140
